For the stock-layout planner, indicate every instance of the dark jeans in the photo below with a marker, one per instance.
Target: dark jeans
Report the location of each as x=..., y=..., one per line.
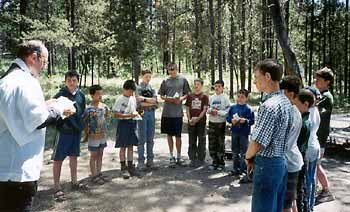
x=239, y=144
x=269, y=184
x=302, y=199
x=17, y=196
x=216, y=136
x=196, y=151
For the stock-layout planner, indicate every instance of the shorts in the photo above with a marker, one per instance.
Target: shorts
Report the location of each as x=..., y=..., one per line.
x=171, y=126
x=66, y=145
x=126, y=134
x=291, y=192
x=95, y=145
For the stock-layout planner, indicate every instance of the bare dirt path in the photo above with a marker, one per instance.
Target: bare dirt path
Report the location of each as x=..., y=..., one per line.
x=182, y=189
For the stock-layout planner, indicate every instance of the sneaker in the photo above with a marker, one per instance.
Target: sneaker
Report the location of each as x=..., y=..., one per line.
x=141, y=166
x=220, y=167
x=133, y=172
x=213, y=167
x=172, y=162
x=193, y=164
x=245, y=180
x=179, y=162
x=125, y=174
x=234, y=173
x=324, y=196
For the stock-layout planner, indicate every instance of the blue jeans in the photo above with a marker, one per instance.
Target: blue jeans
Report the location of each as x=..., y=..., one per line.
x=145, y=131
x=239, y=145
x=269, y=184
x=311, y=183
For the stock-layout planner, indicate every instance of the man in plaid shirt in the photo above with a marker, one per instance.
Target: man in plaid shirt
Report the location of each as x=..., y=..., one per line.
x=266, y=151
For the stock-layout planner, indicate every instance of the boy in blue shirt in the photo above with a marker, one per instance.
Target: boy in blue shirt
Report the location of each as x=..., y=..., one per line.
x=241, y=116
x=69, y=135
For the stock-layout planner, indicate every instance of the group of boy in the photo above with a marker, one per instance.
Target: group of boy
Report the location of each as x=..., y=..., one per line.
x=288, y=124
x=284, y=147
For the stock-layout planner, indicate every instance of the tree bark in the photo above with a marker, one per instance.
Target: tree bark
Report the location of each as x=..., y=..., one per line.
x=346, y=68
x=212, y=41
x=219, y=9
x=242, y=61
x=311, y=41
x=282, y=36
x=231, y=47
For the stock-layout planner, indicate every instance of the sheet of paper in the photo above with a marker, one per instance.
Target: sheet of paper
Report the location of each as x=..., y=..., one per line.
x=61, y=104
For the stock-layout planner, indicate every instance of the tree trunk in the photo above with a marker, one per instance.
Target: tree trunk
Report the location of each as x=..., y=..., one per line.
x=250, y=51
x=136, y=63
x=324, y=32
x=219, y=9
x=173, y=55
x=311, y=41
x=231, y=47
x=22, y=11
x=212, y=40
x=242, y=55
x=346, y=67
x=198, y=47
x=289, y=55
x=263, y=31
x=306, y=48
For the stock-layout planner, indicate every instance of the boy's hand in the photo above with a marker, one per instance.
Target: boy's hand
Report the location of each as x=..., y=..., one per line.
x=133, y=115
x=68, y=112
x=177, y=101
x=214, y=112
x=234, y=121
x=250, y=166
x=242, y=120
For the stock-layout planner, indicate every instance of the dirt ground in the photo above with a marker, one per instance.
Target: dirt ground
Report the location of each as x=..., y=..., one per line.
x=182, y=189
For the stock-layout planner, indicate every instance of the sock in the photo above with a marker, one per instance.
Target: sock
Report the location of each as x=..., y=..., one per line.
x=171, y=154
x=178, y=155
x=130, y=165
x=123, y=165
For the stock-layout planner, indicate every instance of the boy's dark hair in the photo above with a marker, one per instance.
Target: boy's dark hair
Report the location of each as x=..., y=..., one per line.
x=291, y=83
x=171, y=66
x=71, y=74
x=244, y=91
x=29, y=47
x=220, y=82
x=306, y=96
x=270, y=66
x=129, y=85
x=314, y=91
x=326, y=74
x=198, y=80
x=94, y=88
x=146, y=71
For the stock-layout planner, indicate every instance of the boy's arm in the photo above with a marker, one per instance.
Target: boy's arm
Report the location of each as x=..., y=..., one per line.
x=202, y=114
x=224, y=111
x=251, y=118
x=188, y=113
x=120, y=115
x=229, y=115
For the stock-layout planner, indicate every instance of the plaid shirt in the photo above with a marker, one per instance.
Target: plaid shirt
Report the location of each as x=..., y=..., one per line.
x=274, y=121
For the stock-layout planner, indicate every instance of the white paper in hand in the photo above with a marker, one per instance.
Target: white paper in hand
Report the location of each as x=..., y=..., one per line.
x=235, y=116
x=62, y=104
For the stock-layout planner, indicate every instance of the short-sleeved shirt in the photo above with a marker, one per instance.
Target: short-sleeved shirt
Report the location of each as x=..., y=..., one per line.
x=95, y=120
x=196, y=103
x=325, y=106
x=173, y=86
x=273, y=125
x=125, y=105
x=294, y=157
x=146, y=90
x=313, y=148
x=22, y=110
